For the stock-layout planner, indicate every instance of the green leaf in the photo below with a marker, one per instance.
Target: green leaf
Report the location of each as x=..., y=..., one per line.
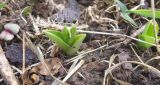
x=148, y=35
x=129, y=19
x=76, y=39
x=2, y=5
x=27, y=10
x=145, y=12
x=123, y=8
x=66, y=34
x=76, y=42
x=147, y=39
x=124, y=14
x=73, y=31
x=56, y=37
x=67, y=40
x=149, y=30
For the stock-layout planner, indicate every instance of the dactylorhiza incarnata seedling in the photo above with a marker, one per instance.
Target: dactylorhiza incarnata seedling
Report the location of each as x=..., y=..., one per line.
x=10, y=29
x=68, y=40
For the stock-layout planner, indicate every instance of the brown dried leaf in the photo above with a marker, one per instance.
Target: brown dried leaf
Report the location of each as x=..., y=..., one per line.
x=31, y=76
x=54, y=65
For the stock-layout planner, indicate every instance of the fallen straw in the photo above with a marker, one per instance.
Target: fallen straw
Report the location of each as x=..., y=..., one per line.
x=6, y=71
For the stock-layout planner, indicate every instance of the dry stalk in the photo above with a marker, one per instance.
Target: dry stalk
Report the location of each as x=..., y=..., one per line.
x=132, y=37
x=6, y=71
x=154, y=58
x=136, y=54
x=34, y=25
x=24, y=59
x=73, y=70
x=152, y=69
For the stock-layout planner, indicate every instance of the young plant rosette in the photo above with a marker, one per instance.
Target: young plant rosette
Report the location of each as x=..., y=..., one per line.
x=68, y=40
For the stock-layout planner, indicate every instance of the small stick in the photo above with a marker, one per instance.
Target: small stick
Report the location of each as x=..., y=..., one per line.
x=23, y=60
x=6, y=71
x=34, y=25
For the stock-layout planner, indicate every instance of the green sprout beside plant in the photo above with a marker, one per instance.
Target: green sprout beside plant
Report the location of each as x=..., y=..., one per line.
x=145, y=12
x=148, y=34
x=68, y=40
x=2, y=5
x=124, y=14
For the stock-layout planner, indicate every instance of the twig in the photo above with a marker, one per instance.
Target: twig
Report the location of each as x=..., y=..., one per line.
x=6, y=71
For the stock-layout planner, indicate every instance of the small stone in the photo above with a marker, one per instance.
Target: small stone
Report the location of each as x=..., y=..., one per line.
x=5, y=35
x=11, y=27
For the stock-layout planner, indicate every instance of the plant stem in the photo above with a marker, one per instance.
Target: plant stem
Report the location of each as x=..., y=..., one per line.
x=154, y=22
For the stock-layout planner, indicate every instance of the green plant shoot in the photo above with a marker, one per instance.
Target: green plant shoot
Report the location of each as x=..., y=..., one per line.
x=145, y=12
x=148, y=35
x=27, y=10
x=2, y=5
x=68, y=40
x=124, y=14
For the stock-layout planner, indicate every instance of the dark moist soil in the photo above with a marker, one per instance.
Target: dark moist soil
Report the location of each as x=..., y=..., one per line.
x=66, y=12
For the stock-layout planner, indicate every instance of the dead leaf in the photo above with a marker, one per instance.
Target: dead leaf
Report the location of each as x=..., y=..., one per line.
x=32, y=76
x=54, y=65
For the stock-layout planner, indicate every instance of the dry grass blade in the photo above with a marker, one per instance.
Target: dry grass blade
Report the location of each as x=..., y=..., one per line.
x=115, y=34
x=23, y=60
x=73, y=70
x=6, y=71
x=154, y=58
x=120, y=81
x=34, y=25
x=136, y=54
x=73, y=65
x=112, y=58
x=154, y=22
x=152, y=69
